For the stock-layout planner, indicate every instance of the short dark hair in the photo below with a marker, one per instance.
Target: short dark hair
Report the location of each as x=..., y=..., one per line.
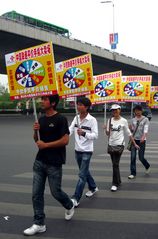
x=53, y=99
x=85, y=101
x=138, y=107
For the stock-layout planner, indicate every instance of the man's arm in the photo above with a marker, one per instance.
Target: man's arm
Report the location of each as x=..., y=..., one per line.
x=64, y=140
x=36, y=127
x=94, y=131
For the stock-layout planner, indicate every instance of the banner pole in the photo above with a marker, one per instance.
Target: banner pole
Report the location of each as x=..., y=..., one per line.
x=35, y=114
x=132, y=110
x=105, y=113
x=77, y=115
x=76, y=112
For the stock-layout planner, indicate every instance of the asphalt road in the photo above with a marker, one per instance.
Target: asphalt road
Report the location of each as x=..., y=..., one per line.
x=130, y=213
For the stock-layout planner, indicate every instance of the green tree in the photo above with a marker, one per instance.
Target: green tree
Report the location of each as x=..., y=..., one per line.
x=5, y=102
x=3, y=89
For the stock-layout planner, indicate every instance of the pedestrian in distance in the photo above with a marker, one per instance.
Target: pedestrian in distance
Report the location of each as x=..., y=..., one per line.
x=27, y=107
x=85, y=129
x=54, y=136
x=140, y=125
x=116, y=128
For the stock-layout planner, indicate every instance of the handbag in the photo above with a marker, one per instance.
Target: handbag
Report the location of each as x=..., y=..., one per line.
x=117, y=149
x=129, y=145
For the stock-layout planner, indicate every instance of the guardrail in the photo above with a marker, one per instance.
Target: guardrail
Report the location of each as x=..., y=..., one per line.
x=11, y=110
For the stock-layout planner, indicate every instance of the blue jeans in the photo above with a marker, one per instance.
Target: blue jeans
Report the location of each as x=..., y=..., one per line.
x=83, y=161
x=141, y=152
x=40, y=172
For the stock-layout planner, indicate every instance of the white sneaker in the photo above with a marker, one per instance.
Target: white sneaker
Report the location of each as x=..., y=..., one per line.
x=113, y=188
x=69, y=213
x=131, y=176
x=147, y=171
x=34, y=229
x=91, y=193
x=75, y=203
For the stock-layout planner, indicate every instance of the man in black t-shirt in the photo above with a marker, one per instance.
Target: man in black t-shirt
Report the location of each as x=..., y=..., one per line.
x=54, y=136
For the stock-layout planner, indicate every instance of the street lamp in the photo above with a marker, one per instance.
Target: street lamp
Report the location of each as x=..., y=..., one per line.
x=113, y=6
x=112, y=2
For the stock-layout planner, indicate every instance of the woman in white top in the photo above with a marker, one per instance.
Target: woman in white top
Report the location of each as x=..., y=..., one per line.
x=139, y=123
x=115, y=132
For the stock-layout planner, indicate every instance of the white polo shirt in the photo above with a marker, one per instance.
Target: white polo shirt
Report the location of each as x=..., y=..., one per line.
x=90, y=126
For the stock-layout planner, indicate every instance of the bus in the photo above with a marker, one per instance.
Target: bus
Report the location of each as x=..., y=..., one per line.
x=13, y=15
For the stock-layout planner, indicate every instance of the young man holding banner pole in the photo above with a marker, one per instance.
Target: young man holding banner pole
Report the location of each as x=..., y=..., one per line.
x=54, y=136
x=85, y=128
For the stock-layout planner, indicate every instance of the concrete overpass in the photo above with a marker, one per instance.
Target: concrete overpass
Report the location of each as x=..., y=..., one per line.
x=15, y=36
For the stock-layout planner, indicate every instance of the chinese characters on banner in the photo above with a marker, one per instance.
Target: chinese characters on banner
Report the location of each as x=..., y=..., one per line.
x=31, y=72
x=75, y=76
x=107, y=88
x=154, y=97
x=136, y=88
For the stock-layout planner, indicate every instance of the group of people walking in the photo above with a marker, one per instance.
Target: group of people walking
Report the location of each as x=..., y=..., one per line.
x=54, y=134
x=137, y=131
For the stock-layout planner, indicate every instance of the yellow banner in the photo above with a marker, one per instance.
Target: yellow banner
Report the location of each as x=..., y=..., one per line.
x=31, y=72
x=154, y=97
x=75, y=76
x=136, y=88
x=107, y=88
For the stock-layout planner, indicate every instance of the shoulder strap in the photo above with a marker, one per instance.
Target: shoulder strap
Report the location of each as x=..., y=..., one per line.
x=138, y=123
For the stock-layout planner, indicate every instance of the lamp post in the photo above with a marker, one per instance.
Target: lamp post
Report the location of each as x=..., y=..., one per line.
x=113, y=6
x=113, y=29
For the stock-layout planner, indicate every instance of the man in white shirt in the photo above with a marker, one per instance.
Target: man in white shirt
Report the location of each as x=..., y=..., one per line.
x=85, y=129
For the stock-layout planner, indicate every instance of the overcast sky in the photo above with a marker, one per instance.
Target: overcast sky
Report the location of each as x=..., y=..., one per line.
x=92, y=21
